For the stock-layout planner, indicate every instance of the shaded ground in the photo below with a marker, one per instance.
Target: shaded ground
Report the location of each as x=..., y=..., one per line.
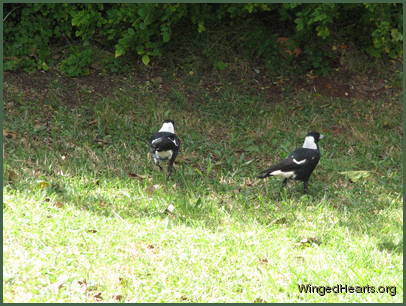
x=74, y=91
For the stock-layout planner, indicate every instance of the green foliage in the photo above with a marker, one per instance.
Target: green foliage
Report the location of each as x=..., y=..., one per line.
x=78, y=62
x=32, y=30
x=387, y=35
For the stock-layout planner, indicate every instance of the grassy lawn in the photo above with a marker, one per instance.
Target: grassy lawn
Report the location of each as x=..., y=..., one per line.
x=84, y=207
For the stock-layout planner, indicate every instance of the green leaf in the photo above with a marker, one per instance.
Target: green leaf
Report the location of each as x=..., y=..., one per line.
x=200, y=27
x=165, y=36
x=119, y=51
x=198, y=202
x=253, y=148
x=145, y=59
x=141, y=12
x=220, y=65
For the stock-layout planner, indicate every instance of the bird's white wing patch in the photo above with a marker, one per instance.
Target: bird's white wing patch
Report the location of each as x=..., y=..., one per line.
x=155, y=140
x=174, y=141
x=287, y=174
x=299, y=162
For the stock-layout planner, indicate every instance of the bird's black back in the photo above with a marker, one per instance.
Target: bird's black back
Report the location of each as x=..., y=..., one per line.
x=164, y=141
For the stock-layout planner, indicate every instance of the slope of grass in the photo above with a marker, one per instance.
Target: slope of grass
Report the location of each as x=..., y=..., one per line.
x=84, y=208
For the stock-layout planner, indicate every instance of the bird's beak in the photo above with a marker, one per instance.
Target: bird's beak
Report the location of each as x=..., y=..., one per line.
x=321, y=136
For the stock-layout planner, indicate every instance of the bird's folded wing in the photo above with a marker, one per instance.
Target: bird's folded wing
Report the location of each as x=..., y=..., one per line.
x=165, y=143
x=288, y=164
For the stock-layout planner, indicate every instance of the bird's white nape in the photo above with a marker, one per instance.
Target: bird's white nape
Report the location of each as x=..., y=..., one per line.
x=309, y=143
x=167, y=127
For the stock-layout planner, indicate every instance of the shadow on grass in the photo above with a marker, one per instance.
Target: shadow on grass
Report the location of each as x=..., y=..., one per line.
x=201, y=200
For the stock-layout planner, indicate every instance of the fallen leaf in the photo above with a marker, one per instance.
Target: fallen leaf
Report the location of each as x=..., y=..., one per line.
x=24, y=141
x=248, y=162
x=42, y=184
x=11, y=175
x=263, y=260
x=103, y=141
x=98, y=296
x=118, y=297
x=124, y=282
x=102, y=204
x=151, y=189
x=337, y=130
x=355, y=176
x=93, y=122
x=309, y=241
x=150, y=246
x=138, y=176
x=9, y=134
x=238, y=190
x=91, y=231
x=59, y=204
x=169, y=209
x=282, y=220
x=39, y=126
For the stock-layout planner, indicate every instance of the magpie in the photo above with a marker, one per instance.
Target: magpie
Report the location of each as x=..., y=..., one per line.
x=164, y=145
x=300, y=164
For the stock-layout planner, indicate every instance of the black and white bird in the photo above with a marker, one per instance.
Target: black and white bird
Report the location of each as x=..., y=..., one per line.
x=300, y=164
x=164, y=145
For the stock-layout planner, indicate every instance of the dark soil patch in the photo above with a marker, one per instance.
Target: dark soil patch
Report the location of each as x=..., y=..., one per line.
x=72, y=91
x=343, y=84
x=76, y=91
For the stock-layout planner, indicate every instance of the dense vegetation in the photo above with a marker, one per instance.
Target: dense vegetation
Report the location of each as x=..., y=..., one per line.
x=312, y=34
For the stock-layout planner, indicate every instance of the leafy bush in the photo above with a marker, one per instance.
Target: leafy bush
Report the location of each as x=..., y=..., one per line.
x=32, y=31
x=78, y=62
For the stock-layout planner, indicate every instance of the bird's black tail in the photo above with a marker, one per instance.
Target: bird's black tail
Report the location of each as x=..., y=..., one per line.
x=264, y=174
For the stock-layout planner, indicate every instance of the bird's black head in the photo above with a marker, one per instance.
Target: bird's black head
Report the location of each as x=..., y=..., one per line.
x=169, y=121
x=316, y=135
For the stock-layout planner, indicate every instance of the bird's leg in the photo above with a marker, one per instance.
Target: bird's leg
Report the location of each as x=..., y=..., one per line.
x=156, y=162
x=170, y=167
x=170, y=163
x=305, y=183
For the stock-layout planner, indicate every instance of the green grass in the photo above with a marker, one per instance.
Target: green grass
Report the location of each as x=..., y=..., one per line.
x=83, y=206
